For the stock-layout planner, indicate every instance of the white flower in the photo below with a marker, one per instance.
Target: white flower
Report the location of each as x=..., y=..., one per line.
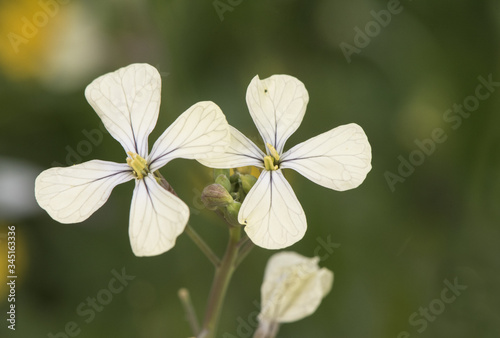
x=293, y=288
x=128, y=101
x=338, y=159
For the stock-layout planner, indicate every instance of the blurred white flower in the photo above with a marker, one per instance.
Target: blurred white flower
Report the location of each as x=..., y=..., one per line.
x=77, y=50
x=128, y=101
x=293, y=288
x=16, y=189
x=338, y=159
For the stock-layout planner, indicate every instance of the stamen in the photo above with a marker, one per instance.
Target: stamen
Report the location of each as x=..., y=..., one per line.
x=273, y=152
x=269, y=163
x=139, y=165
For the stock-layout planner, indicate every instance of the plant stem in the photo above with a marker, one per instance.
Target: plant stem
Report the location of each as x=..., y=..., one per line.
x=267, y=330
x=202, y=245
x=222, y=277
x=189, y=309
x=245, y=247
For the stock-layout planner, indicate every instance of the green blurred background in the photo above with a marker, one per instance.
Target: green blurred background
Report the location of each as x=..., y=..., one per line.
x=394, y=249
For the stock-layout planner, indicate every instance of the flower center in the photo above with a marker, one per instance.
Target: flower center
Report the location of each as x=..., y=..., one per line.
x=137, y=163
x=271, y=162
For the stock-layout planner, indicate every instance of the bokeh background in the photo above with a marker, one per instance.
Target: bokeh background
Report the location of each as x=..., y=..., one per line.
x=394, y=250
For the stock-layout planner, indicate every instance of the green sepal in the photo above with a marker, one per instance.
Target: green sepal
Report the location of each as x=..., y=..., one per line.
x=224, y=181
x=231, y=213
x=247, y=182
x=218, y=172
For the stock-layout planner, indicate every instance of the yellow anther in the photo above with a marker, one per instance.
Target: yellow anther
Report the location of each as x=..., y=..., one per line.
x=269, y=163
x=137, y=163
x=273, y=152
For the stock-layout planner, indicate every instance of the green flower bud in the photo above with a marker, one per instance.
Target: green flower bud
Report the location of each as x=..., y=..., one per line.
x=224, y=181
x=218, y=172
x=231, y=213
x=247, y=182
x=214, y=196
x=235, y=177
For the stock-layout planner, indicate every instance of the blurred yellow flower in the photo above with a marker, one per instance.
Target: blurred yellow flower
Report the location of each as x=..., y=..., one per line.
x=250, y=170
x=28, y=25
x=50, y=40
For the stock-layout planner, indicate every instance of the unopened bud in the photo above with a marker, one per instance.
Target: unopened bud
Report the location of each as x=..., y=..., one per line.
x=234, y=177
x=247, y=182
x=231, y=213
x=215, y=195
x=224, y=181
x=225, y=172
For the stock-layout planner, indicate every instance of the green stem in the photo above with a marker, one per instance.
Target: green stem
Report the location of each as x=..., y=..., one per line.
x=202, y=245
x=267, y=330
x=245, y=245
x=220, y=284
x=189, y=310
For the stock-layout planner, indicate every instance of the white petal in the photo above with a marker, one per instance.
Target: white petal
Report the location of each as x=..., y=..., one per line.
x=196, y=134
x=157, y=217
x=284, y=259
x=306, y=301
x=293, y=287
x=325, y=281
x=277, y=105
x=128, y=101
x=339, y=159
x=72, y=194
x=241, y=152
x=273, y=216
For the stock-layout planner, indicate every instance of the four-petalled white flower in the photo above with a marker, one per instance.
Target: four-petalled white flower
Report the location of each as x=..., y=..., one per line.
x=338, y=159
x=292, y=289
x=128, y=101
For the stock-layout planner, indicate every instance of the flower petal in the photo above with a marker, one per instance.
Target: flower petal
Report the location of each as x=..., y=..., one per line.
x=197, y=133
x=72, y=194
x=293, y=287
x=273, y=216
x=157, y=217
x=307, y=300
x=128, y=102
x=277, y=105
x=339, y=159
x=241, y=152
